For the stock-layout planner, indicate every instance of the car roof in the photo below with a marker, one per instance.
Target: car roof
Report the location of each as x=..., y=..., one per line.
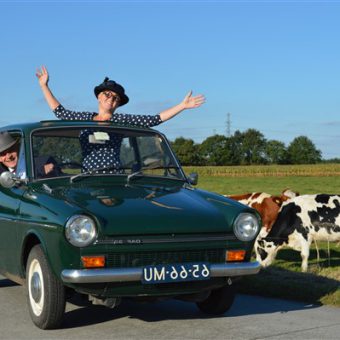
x=27, y=127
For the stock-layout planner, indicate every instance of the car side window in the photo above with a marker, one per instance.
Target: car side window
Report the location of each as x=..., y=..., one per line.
x=55, y=155
x=21, y=167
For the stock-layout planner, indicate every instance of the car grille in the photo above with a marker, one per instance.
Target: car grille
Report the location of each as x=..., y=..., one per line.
x=138, y=259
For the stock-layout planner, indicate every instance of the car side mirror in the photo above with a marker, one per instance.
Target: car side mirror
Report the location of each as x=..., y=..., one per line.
x=6, y=179
x=193, y=178
x=9, y=180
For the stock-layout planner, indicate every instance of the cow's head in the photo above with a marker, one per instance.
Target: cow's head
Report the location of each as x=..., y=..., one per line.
x=265, y=251
x=270, y=206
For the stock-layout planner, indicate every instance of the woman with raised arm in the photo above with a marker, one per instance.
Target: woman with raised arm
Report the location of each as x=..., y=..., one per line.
x=110, y=96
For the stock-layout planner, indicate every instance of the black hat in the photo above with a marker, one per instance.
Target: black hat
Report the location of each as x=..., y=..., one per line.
x=6, y=141
x=114, y=87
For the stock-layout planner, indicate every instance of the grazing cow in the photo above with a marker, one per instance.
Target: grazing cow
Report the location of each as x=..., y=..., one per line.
x=300, y=221
x=267, y=205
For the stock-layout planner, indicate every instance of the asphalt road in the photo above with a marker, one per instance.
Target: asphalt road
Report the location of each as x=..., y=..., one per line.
x=251, y=317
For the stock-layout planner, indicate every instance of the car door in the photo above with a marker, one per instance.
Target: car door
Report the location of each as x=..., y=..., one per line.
x=10, y=199
x=9, y=207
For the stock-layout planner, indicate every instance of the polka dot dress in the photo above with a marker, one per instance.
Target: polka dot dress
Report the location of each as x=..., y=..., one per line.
x=106, y=154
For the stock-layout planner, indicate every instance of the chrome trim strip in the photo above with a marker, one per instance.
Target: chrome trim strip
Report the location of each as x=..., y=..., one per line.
x=14, y=220
x=135, y=274
x=235, y=269
x=133, y=240
x=101, y=275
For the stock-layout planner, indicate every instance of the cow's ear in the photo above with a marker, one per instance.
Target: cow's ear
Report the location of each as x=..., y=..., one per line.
x=288, y=193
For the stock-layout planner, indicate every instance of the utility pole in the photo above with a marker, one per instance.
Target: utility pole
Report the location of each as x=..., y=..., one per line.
x=228, y=125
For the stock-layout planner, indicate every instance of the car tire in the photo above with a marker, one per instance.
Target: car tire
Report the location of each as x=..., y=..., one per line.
x=219, y=301
x=45, y=293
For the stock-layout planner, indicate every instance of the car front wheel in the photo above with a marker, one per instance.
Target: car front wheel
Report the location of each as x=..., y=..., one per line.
x=46, y=294
x=219, y=301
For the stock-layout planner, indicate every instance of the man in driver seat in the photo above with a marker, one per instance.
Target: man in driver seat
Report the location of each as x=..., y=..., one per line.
x=9, y=150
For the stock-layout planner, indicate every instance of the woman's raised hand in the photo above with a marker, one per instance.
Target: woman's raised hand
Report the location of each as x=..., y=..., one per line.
x=42, y=75
x=190, y=102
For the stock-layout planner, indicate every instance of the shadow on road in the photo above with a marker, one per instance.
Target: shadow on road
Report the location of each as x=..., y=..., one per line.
x=175, y=310
x=7, y=283
x=80, y=312
x=149, y=312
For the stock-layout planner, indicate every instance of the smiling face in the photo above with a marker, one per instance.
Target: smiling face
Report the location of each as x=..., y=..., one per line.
x=108, y=101
x=9, y=157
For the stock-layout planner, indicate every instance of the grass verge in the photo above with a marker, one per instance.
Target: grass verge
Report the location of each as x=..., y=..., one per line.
x=284, y=279
x=285, y=284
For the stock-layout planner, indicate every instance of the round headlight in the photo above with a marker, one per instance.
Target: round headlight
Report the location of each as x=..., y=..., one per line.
x=80, y=230
x=246, y=226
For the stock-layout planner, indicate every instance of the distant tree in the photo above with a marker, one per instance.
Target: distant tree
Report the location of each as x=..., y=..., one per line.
x=213, y=150
x=233, y=150
x=303, y=151
x=187, y=151
x=276, y=152
x=253, y=147
x=248, y=147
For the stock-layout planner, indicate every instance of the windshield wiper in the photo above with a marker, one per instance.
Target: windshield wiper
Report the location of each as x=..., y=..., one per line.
x=80, y=175
x=134, y=174
x=140, y=172
x=129, y=177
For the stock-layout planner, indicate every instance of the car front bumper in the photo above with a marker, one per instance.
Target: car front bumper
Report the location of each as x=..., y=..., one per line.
x=135, y=274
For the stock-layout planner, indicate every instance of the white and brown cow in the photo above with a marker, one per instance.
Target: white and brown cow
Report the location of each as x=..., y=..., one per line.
x=300, y=221
x=267, y=205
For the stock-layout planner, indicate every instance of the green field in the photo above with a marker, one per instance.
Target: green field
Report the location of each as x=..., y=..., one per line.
x=306, y=179
x=284, y=278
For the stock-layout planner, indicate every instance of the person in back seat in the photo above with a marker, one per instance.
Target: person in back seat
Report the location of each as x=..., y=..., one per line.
x=9, y=151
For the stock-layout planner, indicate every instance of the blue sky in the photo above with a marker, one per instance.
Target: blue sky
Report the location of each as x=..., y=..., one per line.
x=274, y=65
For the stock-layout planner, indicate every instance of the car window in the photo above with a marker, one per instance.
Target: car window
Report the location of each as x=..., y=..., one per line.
x=72, y=151
x=21, y=170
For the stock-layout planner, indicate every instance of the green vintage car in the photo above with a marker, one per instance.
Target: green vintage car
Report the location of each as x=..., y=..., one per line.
x=134, y=229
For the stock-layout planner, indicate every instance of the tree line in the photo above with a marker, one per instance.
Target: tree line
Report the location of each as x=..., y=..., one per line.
x=245, y=148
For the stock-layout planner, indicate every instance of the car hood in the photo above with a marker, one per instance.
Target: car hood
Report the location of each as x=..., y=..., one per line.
x=134, y=210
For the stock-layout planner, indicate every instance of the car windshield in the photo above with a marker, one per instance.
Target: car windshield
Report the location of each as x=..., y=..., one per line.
x=81, y=151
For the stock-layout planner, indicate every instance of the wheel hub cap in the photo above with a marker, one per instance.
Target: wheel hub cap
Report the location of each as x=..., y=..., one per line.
x=36, y=287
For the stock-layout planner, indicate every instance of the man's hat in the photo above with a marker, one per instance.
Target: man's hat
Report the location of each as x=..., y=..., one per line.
x=111, y=85
x=6, y=141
